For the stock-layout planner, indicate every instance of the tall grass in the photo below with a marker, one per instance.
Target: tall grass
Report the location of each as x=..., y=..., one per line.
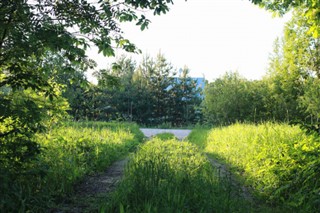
x=70, y=151
x=198, y=136
x=279, y=161
x=172, y=176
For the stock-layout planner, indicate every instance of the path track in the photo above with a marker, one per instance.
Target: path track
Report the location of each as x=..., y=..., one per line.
x=98, y=185
x=93, y=188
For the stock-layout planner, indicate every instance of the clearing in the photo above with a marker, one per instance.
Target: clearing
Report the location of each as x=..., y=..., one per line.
x=94, y=187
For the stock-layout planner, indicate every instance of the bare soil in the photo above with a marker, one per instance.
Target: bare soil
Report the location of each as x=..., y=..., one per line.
x=225, y=172
x=92, y=189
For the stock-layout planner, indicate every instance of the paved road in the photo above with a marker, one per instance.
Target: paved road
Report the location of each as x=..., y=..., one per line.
x=179, y=133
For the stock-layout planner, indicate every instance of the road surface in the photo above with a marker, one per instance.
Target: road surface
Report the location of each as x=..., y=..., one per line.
x=179, y=133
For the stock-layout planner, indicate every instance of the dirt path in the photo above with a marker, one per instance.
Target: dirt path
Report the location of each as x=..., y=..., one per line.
x=102, y=183
x=223, y=169
x=93, y=188
x=224, y=172
x=179, y=133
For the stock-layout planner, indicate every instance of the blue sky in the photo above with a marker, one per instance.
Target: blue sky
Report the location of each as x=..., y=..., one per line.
x=210, y=37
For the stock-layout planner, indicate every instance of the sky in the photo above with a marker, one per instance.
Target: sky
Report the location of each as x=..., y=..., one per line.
x=210, y=37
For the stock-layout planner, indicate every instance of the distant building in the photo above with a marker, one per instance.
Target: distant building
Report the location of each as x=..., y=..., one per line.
x=201, y=82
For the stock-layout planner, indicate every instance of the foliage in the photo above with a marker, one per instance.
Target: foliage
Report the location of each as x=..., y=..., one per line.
x=23, y=113
x=70, y=151
x=171, y=176
x=42, y=47
x=233, y=98
x=148, y=94
x=294, y=72
x=310, y=8
x=155, y=76
x=289, y=92
x=280, y=162
x=185, y=101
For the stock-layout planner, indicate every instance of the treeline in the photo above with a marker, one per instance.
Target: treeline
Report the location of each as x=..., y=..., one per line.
x=150, y=94
x=290, y=91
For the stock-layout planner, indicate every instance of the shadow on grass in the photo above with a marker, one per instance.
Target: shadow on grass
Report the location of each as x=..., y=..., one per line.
x=170, y=176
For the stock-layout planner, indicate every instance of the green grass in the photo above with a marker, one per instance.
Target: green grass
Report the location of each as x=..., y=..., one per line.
x=280, y=162
x=70, y=152
x=173, y=176
x=165, y=136
x=198, y=136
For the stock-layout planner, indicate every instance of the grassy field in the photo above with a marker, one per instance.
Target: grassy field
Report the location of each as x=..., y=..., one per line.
x=173, y=176
x=280, y=162
x=70, y=152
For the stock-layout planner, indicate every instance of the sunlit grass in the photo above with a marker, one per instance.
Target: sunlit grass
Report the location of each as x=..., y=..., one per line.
x=173, y=176
x=70, y=152
x=165, y=136
x=279, y=161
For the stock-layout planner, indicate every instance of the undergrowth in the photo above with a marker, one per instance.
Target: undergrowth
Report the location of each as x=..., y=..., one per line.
x=69, y=152
x=280, y=162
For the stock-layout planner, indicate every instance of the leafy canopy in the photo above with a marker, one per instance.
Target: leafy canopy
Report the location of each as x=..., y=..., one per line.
x=311, y=10
x=33, y=33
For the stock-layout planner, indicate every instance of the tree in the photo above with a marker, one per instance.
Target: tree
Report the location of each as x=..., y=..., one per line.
x=185, y=99
x=233, y=98
x=160, y=79
x=310, y=11
x=154, y=76
x=30, y=29
x=147, y=94
x=294, y=69
x=117, y=89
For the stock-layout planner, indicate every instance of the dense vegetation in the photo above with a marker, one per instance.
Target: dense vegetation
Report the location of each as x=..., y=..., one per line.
x=151, y=93
x=42, y=51
x=171, y=176
x=42, y=80
x=280, y=162
x=68, y=153
x=288, y=93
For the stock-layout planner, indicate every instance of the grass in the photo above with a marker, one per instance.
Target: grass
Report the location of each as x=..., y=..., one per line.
x=173, y=176
x=165, y=136
x=280, y=162
x=70, y=152
x=198, y=136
